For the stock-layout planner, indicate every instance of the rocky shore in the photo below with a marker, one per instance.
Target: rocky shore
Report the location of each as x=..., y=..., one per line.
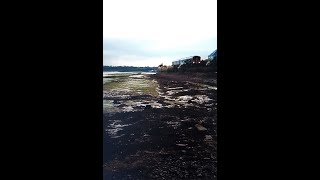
x=160, y=126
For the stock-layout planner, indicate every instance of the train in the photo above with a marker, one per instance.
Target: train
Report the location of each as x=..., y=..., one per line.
x=187, y=60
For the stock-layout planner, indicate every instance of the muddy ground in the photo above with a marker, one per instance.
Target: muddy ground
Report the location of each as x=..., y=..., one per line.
x=160, y=127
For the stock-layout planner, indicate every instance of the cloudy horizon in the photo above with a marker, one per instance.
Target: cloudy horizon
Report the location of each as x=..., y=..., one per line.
x=151, y=32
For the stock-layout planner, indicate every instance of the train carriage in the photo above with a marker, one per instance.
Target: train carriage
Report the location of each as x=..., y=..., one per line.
x=189, y=60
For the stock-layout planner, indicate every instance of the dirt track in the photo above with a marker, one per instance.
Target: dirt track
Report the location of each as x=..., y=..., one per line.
x=170, y=135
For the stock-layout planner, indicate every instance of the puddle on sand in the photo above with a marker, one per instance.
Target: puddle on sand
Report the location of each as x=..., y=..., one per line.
x=185, y=98
x=115, y=127
x=200, y=99
x=174, y=88
x=127, y=108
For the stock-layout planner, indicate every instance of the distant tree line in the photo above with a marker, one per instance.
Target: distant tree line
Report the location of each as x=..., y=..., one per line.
x=129, y=68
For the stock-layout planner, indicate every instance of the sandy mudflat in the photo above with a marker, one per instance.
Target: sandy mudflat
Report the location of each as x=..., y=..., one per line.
x=160, y=127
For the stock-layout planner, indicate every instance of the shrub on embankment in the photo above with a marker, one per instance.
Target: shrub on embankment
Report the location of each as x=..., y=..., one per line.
x=190, y=68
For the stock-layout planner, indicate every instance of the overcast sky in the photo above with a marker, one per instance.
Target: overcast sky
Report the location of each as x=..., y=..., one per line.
x=151, y=32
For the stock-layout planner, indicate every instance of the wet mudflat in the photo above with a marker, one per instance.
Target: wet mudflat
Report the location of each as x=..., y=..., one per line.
x=159, y=127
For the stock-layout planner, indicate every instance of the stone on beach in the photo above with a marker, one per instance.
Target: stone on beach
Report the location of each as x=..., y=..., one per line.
x=200, y=127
